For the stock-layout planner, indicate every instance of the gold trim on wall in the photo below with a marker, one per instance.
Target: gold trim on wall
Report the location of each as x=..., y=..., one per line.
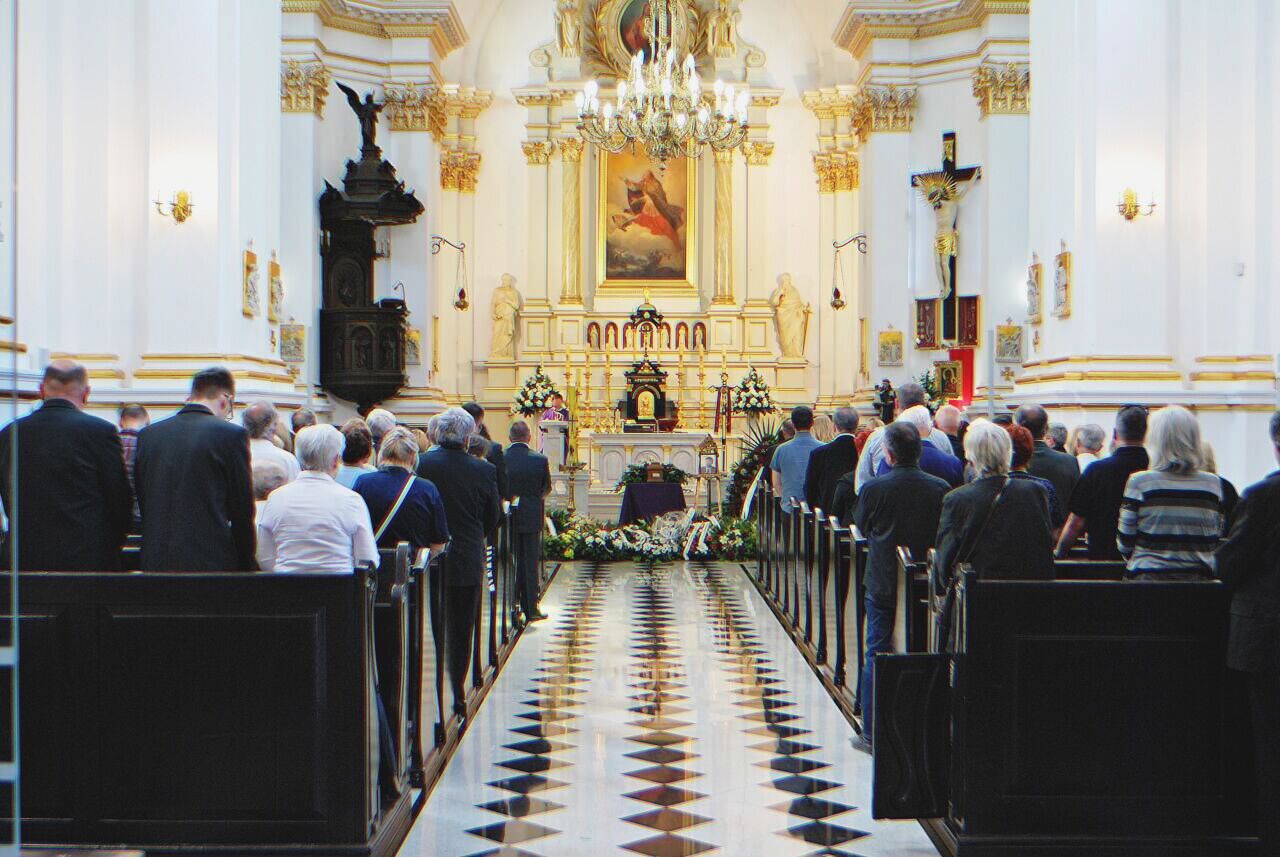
x=1233, y=376
x=205, y=358
x=1232, y=358
x=242, y=374
x=1101, y=358
x=386, y=19
x=10, y=345
x=82, y=358
x=858, y=27
x=1101, y=376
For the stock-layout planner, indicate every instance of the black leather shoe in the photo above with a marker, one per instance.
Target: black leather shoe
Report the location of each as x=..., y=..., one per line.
x=538, y=617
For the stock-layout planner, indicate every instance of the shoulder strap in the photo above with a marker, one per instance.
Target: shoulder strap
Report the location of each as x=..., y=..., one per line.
x=977, y=536
x=391, y=513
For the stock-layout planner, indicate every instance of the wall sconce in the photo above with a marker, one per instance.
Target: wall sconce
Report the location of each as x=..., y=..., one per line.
x=180, y=207
x=1129, y=207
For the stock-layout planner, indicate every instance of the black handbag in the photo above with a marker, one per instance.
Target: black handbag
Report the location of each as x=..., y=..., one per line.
x=942, y=623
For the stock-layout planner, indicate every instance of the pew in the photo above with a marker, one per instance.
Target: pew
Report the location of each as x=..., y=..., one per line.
x=1075, y=717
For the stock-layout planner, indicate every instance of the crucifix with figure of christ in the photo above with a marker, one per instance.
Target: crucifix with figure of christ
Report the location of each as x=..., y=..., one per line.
x=944, y=190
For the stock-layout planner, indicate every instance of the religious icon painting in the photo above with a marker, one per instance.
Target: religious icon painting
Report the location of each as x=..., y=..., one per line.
x=892, y=348
x=293, y=343
x=621, y=30
x=249, y=300
x=949, y=376
x=1035, y=290
x=413, y=346
x=647, y=224
x=275, y=290
x=1062, y=283
x=1010, y=343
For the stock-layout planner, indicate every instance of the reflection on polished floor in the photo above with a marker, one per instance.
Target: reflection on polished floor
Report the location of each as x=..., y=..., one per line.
x=660, y=712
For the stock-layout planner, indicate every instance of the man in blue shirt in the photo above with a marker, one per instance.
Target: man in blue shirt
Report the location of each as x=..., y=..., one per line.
x=932, y=460
x=791, y=460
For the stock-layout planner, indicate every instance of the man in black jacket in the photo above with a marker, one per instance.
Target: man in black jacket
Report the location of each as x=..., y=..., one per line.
x=469, y=490
x=1058, y=467
x=831, y=461
x=529, y=478
x=1249, y=564
x=73, y=499
x=494, y=456
x=195, y=485
x=900, y=508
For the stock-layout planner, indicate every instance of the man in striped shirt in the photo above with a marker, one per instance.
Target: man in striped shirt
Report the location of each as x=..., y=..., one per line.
x=1171, y=518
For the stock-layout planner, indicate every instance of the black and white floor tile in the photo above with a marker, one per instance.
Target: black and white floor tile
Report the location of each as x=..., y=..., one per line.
x=659, y=712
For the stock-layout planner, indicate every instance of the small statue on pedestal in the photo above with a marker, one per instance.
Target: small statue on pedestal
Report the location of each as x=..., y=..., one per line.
x=885, y=401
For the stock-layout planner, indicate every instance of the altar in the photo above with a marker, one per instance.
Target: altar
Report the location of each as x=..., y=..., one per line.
x=612, y=454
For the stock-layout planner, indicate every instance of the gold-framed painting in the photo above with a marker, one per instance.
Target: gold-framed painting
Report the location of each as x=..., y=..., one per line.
x=413, y=346
x=1035, y=290
x=1062, y=283
x=249, y=292
x=949, y=376
x=293, y=343
x=275, y=290
x=620, y=31
x=647, y=236
x=1011, y=343
x=891, y=349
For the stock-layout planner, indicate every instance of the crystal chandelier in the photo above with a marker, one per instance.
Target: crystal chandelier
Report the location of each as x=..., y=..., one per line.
x=661, y=107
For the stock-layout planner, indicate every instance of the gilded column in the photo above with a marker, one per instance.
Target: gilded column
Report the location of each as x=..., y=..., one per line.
x=571, y=153
x=724, y=229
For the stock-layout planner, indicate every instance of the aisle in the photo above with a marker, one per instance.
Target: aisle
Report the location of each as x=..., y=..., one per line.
x=663, y=713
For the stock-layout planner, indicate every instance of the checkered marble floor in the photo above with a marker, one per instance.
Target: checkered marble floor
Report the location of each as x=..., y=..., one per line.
x=660, y=712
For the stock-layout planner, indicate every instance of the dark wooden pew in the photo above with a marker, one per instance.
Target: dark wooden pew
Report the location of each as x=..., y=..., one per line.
x=1076, y=718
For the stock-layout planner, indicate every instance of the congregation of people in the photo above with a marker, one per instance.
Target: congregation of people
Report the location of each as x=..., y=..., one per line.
x=1004, y=497
x=205, y=494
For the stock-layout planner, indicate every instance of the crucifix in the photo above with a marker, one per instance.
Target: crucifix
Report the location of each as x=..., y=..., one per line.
x=944, y=190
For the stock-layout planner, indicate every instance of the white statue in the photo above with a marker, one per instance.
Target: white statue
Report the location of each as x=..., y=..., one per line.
x=791, y=315
x=722, y=31
x=1033, y=288
x=568, y=28
x=505, y=310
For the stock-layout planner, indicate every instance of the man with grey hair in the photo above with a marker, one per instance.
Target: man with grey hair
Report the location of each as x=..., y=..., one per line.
x=831, y=461
x=380, y=421
x=72, y=494
x=313, y=524
x=259, y=420
x=1057, y=436
x=1089, y=441
x=909, y=395
x=267, y=477
x=933, y=461
x=1249, y=564
x=469, y=490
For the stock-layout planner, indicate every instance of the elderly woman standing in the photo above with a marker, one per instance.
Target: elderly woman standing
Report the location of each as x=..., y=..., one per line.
x=313, y=524
x=1172, y=515
x=998, y=525
x=469, y=490
x=404, y=507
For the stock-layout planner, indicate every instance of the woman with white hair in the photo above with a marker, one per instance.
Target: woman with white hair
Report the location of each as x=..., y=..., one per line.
x=997, y=525
x=1090, y=439
x=313, y=524
x=1172, y=515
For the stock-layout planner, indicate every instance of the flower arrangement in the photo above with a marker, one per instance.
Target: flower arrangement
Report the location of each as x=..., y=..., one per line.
x=758, y=444
x=662, y=540
x=637, y=473
x=751, y=396
x=532, y=398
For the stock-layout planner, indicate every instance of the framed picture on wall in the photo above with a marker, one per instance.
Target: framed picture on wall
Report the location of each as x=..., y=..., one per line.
x=413, y=346
x=249, y=293
x=1011, y=344
x=293, y=343
x=1035, y=290
x=1062, y=283
x=647, y=225
x=275, y=290
x=891, y=348
x=949, y=376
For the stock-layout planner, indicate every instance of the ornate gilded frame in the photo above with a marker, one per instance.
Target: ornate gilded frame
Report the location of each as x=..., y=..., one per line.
x=607, y=38
x=636, y=288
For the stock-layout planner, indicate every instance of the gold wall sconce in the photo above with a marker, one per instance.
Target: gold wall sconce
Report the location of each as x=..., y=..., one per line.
x=180, y=207
x=1129, y=207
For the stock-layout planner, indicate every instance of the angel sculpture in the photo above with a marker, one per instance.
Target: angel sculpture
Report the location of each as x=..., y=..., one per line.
x=944, y=195
x=367, y=112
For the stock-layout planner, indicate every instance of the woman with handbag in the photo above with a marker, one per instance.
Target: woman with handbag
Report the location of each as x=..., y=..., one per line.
x=403, y=507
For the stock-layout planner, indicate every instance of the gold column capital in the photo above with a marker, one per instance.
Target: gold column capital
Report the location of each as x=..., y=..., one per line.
x=724, y=156
x=758, y=152
x=537, y=152
x=1002, y=88
x=413, y=107
x=303, y=87
x=571, y=149
x=883, y=108
x=459, y=171
x=825, y=167
x=847, y=170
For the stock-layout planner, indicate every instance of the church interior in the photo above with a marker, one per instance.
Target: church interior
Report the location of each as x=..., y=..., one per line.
x=635, y=237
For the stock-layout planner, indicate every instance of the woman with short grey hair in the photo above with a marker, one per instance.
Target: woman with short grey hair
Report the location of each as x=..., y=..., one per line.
x=1089, y=440
x=454, y=427
x=1172, y=516
x=313, y=524
x=402, y=506
x=988, y=448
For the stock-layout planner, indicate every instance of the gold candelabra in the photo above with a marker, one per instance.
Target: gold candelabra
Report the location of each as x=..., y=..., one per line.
x=702, y=390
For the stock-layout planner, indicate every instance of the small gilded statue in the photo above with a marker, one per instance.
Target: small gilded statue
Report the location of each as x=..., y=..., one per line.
x=943, y=193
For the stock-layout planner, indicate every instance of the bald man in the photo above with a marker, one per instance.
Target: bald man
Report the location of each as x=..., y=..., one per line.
x=73, y=498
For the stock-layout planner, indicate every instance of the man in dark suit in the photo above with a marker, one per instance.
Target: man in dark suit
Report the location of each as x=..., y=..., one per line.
x=831, y=461
x=1249, y=564
x=195, y=485
x=494, y=456
x=73, y=499
x=529, y=478
x=469, y=489
x=1058, y=467
x=900, y=508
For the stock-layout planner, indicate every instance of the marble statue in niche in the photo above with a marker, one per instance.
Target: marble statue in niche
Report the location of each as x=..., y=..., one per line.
x=791, y=317
x=505, y=313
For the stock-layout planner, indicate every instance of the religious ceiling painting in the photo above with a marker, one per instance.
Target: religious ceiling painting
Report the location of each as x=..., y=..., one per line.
x=646, y=231
x=620, y=28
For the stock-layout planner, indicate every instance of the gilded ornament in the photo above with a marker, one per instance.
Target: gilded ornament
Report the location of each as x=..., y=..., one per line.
x=883, y=108
x=571, y=149
x=1003, y=88
x=303, y=87
x=758, y=152
x=537, y=152
x=568, y=28
x=412, y=108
